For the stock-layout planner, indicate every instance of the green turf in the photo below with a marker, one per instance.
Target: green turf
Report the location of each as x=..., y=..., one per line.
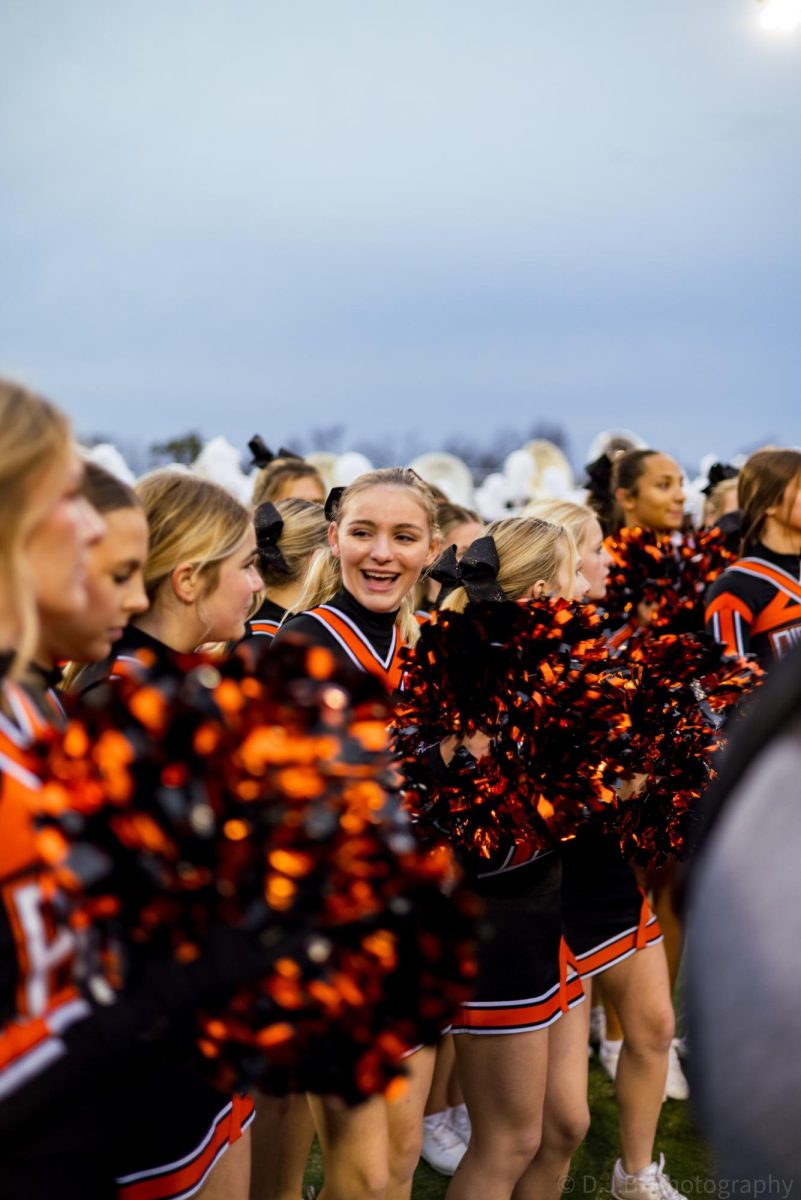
x=687, y=1159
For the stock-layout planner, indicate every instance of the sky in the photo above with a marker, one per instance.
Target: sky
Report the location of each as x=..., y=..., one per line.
x=427, y=218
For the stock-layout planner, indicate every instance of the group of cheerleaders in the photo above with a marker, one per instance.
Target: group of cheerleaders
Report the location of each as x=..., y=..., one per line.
x=93, y=573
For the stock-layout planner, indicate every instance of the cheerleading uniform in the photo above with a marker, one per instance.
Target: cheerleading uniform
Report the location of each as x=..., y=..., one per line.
x=606, y=914
x=266, y=622
x=755, y=605
x=367, y=640
x=188, y=1125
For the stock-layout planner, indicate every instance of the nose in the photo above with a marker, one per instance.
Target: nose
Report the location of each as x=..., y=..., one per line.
x=582, y=586
x=138, y=601
x=381, y=549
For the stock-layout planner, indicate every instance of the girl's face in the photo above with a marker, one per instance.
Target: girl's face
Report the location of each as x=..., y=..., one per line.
x=595, y=560
x=225, y=610
x=383, y=541
x=57, y=548
x=657, y=499
x=788, y=513
x=571, y=586
x=462, y=536
x=303, y=487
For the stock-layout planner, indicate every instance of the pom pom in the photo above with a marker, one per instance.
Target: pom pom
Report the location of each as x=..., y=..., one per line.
x=262, y=800
x=533, y=677
x=686, y=689
x=668, y=574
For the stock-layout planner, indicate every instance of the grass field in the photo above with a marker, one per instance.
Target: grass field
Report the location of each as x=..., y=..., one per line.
x=687, y=1159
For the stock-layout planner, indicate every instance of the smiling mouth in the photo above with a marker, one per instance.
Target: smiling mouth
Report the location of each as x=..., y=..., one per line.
x=380, y=578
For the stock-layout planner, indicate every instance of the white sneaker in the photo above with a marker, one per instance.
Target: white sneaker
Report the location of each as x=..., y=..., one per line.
x=460, y=1122
x=597, y=1024
x=609, y=1053
x=443, y=1149
x=651, y=1183
x=676, y=1085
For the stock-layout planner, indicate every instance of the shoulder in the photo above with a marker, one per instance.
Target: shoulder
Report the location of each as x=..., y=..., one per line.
x=309, y=627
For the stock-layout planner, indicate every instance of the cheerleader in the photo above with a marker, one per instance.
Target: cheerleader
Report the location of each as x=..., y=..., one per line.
x=200, y=580
x=358, y=603
x=66, y=1104
x=459, y=527
x=755, y=605
x=288, y=536
x=614, y=935
x=114, y=586
x=284, y=476
x=646, y=489
x=521, y=1043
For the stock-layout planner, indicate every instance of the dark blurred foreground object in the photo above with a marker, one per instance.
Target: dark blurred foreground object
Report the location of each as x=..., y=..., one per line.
x=744, y=933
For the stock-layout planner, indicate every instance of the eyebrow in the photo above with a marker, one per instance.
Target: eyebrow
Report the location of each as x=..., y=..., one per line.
x=372, y=524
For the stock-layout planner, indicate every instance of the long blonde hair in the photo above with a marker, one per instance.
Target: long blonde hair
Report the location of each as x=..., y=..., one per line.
x=575, y=517
x=190, y=520
x=324, y=579
x=34, y=436
x=528, y=550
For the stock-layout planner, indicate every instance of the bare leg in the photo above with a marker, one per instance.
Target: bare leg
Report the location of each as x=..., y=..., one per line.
x=662, y=886
x=405, y=1124
x=640, y=990
x=355, y=1146
x=230, y=1179
x=566, y=1115
x=282, y=1135
x=438, y=1099
x=503, y=1079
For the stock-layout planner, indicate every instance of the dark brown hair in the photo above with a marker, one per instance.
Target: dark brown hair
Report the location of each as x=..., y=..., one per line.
x=105, y=492
x=626, y=470
x=762, y=484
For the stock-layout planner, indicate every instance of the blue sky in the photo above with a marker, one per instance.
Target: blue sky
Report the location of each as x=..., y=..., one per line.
x=428, y=216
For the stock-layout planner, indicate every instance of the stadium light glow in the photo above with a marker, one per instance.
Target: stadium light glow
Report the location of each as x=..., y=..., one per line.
x=780, y=16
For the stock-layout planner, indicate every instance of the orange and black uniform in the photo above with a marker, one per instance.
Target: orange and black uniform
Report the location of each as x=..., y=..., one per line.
x=266, y=622
x=364, y=639
x=755, y=605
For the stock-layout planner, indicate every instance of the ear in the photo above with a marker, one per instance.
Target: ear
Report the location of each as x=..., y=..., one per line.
x=625, y=499
x=434, y=552
x=539, y=590
x=333, y=539
x=184, y=583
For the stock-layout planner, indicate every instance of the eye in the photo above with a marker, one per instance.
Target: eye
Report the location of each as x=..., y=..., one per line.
x=121, y=577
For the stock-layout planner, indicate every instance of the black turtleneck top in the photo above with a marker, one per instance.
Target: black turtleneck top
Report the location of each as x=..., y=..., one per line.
x=376, y=628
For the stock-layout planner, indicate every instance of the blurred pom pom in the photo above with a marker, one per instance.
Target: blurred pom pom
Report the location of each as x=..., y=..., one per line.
x=263, y=800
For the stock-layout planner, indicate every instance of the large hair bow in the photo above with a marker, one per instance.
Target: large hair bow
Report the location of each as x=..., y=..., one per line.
x=476, y=571
x=599, y=474
x=269, y=526
x=718, y=472
x=332, y=503
x=263, y=455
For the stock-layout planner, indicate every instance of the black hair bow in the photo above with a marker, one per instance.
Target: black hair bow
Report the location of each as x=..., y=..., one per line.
x=599, y=475
x=717, y=473
x=476, y=572
x=332, y=503
x=269, y=526
x=263, y=455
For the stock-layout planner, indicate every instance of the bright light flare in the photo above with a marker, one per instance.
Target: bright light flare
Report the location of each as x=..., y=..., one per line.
x=780, y=16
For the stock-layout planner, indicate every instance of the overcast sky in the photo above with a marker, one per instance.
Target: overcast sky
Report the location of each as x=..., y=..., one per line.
x=431, y=215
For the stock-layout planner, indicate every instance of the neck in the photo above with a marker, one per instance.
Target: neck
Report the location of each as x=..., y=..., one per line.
x=285, y=595
x=174, y=629
x=780, y=537
x=44, y=657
